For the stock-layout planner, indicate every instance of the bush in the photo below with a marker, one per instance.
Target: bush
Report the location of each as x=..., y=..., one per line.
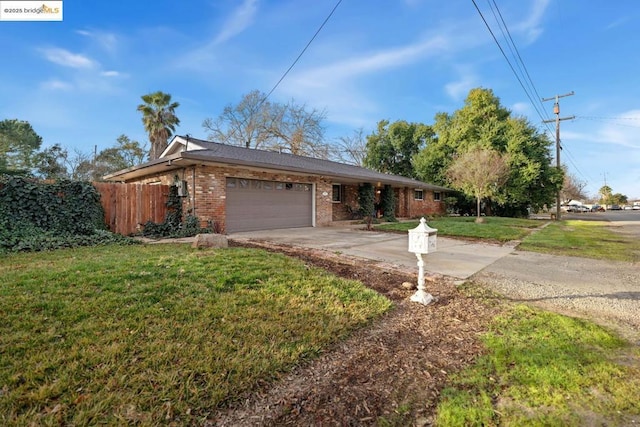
x=36, y=215
x=388, y=204
x=173, y=225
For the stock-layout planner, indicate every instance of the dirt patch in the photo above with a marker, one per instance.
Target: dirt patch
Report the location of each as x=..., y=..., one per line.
x=392, y=370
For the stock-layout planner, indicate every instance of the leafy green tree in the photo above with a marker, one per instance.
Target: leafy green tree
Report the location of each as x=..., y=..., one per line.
x=126, y=153
x=159, y=119
x=50, y=162
x=484, y=122
x=391, y=148
x=19, y=142
x=619, y=199
x=605, y=195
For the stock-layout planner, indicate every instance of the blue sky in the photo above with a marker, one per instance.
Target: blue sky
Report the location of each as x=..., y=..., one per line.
x=79, y=81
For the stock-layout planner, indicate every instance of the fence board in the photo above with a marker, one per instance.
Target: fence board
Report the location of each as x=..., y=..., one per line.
x=128, y=206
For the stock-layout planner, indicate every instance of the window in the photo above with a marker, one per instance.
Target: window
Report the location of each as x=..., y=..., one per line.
x=436, y=196
x=418, y=194
x=231, y=183
x=337, y=193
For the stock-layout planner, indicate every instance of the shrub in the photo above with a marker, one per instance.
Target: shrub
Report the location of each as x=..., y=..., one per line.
x=173, y=224
x=36, y=215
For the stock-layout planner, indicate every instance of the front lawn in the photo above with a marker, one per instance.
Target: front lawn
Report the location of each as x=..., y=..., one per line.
x=160, y=333
x=493, y=228
x=545, y=369
x=590, y=239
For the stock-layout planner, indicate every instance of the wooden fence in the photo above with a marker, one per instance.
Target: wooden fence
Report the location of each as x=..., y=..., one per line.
x=129, y=206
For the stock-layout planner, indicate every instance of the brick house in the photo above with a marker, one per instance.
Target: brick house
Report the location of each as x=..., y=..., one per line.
x=243, y=189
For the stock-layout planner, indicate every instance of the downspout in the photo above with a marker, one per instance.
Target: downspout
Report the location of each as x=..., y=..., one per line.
x=193, y=190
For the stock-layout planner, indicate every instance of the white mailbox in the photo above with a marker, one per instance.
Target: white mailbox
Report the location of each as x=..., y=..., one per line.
x=422, y=239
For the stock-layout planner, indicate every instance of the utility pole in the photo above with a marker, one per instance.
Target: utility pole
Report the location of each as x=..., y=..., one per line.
x=556, y=111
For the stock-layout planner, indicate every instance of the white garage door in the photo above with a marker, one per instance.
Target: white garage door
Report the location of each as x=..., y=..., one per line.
x=253, y=204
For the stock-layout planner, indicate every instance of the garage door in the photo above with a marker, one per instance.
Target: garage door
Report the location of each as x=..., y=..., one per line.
x=253, y=204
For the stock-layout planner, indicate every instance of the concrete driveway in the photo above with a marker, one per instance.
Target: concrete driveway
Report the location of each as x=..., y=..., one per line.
x=458, y=259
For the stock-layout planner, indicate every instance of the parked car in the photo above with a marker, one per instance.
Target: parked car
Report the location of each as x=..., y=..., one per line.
x=615, y=208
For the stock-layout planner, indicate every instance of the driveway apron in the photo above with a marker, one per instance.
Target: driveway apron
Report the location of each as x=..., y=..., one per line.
x=458, y=259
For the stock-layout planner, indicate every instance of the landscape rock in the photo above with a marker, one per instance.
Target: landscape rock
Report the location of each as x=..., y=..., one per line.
x=210, y=241
x=408, y=285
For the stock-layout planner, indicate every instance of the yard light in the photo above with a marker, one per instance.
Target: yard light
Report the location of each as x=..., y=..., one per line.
x=422, y=240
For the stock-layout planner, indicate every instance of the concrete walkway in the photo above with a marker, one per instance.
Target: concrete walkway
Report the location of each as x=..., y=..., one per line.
x=458, y=259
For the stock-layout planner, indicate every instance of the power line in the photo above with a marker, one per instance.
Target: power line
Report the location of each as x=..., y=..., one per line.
x=524, y=72
x=533, y=103
x=264, y=99
x=303, y=51
x=521, y=61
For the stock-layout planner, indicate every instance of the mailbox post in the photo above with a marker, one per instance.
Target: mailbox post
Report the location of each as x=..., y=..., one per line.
x=422, y=240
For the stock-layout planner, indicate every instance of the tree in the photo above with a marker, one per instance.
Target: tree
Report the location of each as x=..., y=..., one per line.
x=479, y=172
x=619, y=199
x=298, y=130
x=49, y=163
x=484, y=122
x=246, y=124
x=126, y=153
x=367, y=202
x=159, y=119
x=350, y=149
x=19, y=143
x=257, y=123
x=392, y=147
x=605, y=195
x=572, y=188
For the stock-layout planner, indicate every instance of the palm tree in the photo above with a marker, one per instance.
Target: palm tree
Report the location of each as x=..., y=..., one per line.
x=159, y=119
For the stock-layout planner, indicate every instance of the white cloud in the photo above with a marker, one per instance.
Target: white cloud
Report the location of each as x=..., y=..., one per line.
x=111, y=73
x=108, y=41
x=619, y=130
x=241, y=18
x=65, y=58
x=56, y=85
x=532, y=26
x=338, y=86
x=386, y=59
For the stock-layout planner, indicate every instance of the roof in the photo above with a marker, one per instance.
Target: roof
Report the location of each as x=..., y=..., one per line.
x=187, y=151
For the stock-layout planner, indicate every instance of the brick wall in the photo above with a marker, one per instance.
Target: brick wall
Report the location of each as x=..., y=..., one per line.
x=424, y=207
x=343, y=210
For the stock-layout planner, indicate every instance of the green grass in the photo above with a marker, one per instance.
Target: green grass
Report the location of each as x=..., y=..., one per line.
x=544, y=369
x=590, y=239
x=158, y=334
x=493, y=228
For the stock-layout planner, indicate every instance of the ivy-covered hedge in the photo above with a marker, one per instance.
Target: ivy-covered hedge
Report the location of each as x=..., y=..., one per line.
x=36, y=215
